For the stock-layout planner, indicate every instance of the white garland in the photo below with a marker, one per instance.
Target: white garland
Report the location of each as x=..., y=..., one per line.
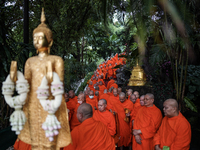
x=17, y=119
x=51, y=124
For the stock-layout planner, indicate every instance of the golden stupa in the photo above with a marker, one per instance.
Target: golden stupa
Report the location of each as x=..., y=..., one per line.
x=138, y=77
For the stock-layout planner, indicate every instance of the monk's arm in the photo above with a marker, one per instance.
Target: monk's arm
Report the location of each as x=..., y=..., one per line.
x=156, y=140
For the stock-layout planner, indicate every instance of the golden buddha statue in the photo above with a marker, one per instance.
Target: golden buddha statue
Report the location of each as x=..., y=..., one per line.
x=35, y=69
x=138, y=77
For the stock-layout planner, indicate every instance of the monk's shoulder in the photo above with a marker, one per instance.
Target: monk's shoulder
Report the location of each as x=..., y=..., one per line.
x=182, y=121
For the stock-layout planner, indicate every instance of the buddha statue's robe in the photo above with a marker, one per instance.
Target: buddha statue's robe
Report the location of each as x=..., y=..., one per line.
x=108, y=119
x=91, y=134
x=32, y=133
x=148, y=120
x=174, y=132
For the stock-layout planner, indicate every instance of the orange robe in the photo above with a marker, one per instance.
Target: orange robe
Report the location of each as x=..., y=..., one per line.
x=74, y=121
x=174, y=132
x=91, y=134
x=124, y=132
x=109, y=83
x=108, y=119
x=112, y=99
x=102, y=88
x=71, y=106
x=20, y=145
x=114, y=85
x=74, y=99
x=93, y=102
x=110, y=72
x=91, y=87
x=148, y=120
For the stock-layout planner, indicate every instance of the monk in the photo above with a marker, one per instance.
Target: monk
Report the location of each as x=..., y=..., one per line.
x=90, y=134
x=105, y=116
x=146, y=124
x=110, y=82
x=119, y=90
x=97, y=89
x=113, y=99
x=72, y=96
x=175, y=131
x=124, y=132
x=105, y=95
x=91, y=86
x=74, y=121
x=92, y=100
x=114, y=85
x=70, y=105
x=101, y=87
x=129, y=93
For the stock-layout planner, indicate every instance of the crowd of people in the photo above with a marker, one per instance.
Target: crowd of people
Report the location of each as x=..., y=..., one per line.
x=104, y=117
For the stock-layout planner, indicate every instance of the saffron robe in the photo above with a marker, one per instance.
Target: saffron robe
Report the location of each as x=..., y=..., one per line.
x=74, y=99
x=93, y=102
x=74, y=121
x=91, y=134
x=114, y=85
x=109, y=83
x=108, y=119
x=174, y=132
x=71, y=104
x=148, y=120
x=124, y=132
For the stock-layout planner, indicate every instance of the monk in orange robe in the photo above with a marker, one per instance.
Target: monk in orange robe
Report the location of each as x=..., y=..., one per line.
x=129, y=93
x=92, y=100
x=175, y=130
x=70, y=105
x=105, y=95
x=114, y=85
x=74, y=121
x=119, y=90
x=101, y=87
x=136, y=93
x=146, y=124
x=105, y=116
x=110, y=71
x=110, y=82
x=72, y=96
x=125, y=135
x=112, y=99
x=90, y=134
x=91, y=86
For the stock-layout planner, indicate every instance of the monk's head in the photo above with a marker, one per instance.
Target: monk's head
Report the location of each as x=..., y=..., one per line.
x=136, y=93
x=102, y=104
x=105, y=91
x=81, y=98
x=119, y=90
x=91, y=94
x=130, y=92
x=110, y=77
x=142, y=100
x=148, y=100
x=71, y=94
x=100, y=83
x=133, y=98
x=115, y=92
x=170, y=108
x=96, y=93
x=66, y=97
x=84, y=112
x=93, y=78
x=88, y=89
x=86, y=92
x=96, y=88
x=110, y=90
x=81, y=92
x=122, y=97
x=90, y=82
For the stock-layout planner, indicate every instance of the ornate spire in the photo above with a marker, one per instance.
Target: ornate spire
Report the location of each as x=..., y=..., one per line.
x=43, y=19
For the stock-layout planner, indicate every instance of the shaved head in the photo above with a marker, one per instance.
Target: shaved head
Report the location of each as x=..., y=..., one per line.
x=119, y=90
x=103, y=100
x=105, y=91
x=133, y=98
x=122, y=97
x=84, y=112
x=136, y=93
x=170, y=108
x=71, y=94
x=115, y=92
x=150, y=95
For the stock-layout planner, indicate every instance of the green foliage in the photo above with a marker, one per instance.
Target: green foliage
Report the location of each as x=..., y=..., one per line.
x=83, y=84
x=190, y=104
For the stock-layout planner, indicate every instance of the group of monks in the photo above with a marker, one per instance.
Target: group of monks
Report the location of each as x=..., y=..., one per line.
x=106, y=69
x=104, y=117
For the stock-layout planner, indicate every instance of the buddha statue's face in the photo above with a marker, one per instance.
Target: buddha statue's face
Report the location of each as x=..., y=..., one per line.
x=39, y=40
